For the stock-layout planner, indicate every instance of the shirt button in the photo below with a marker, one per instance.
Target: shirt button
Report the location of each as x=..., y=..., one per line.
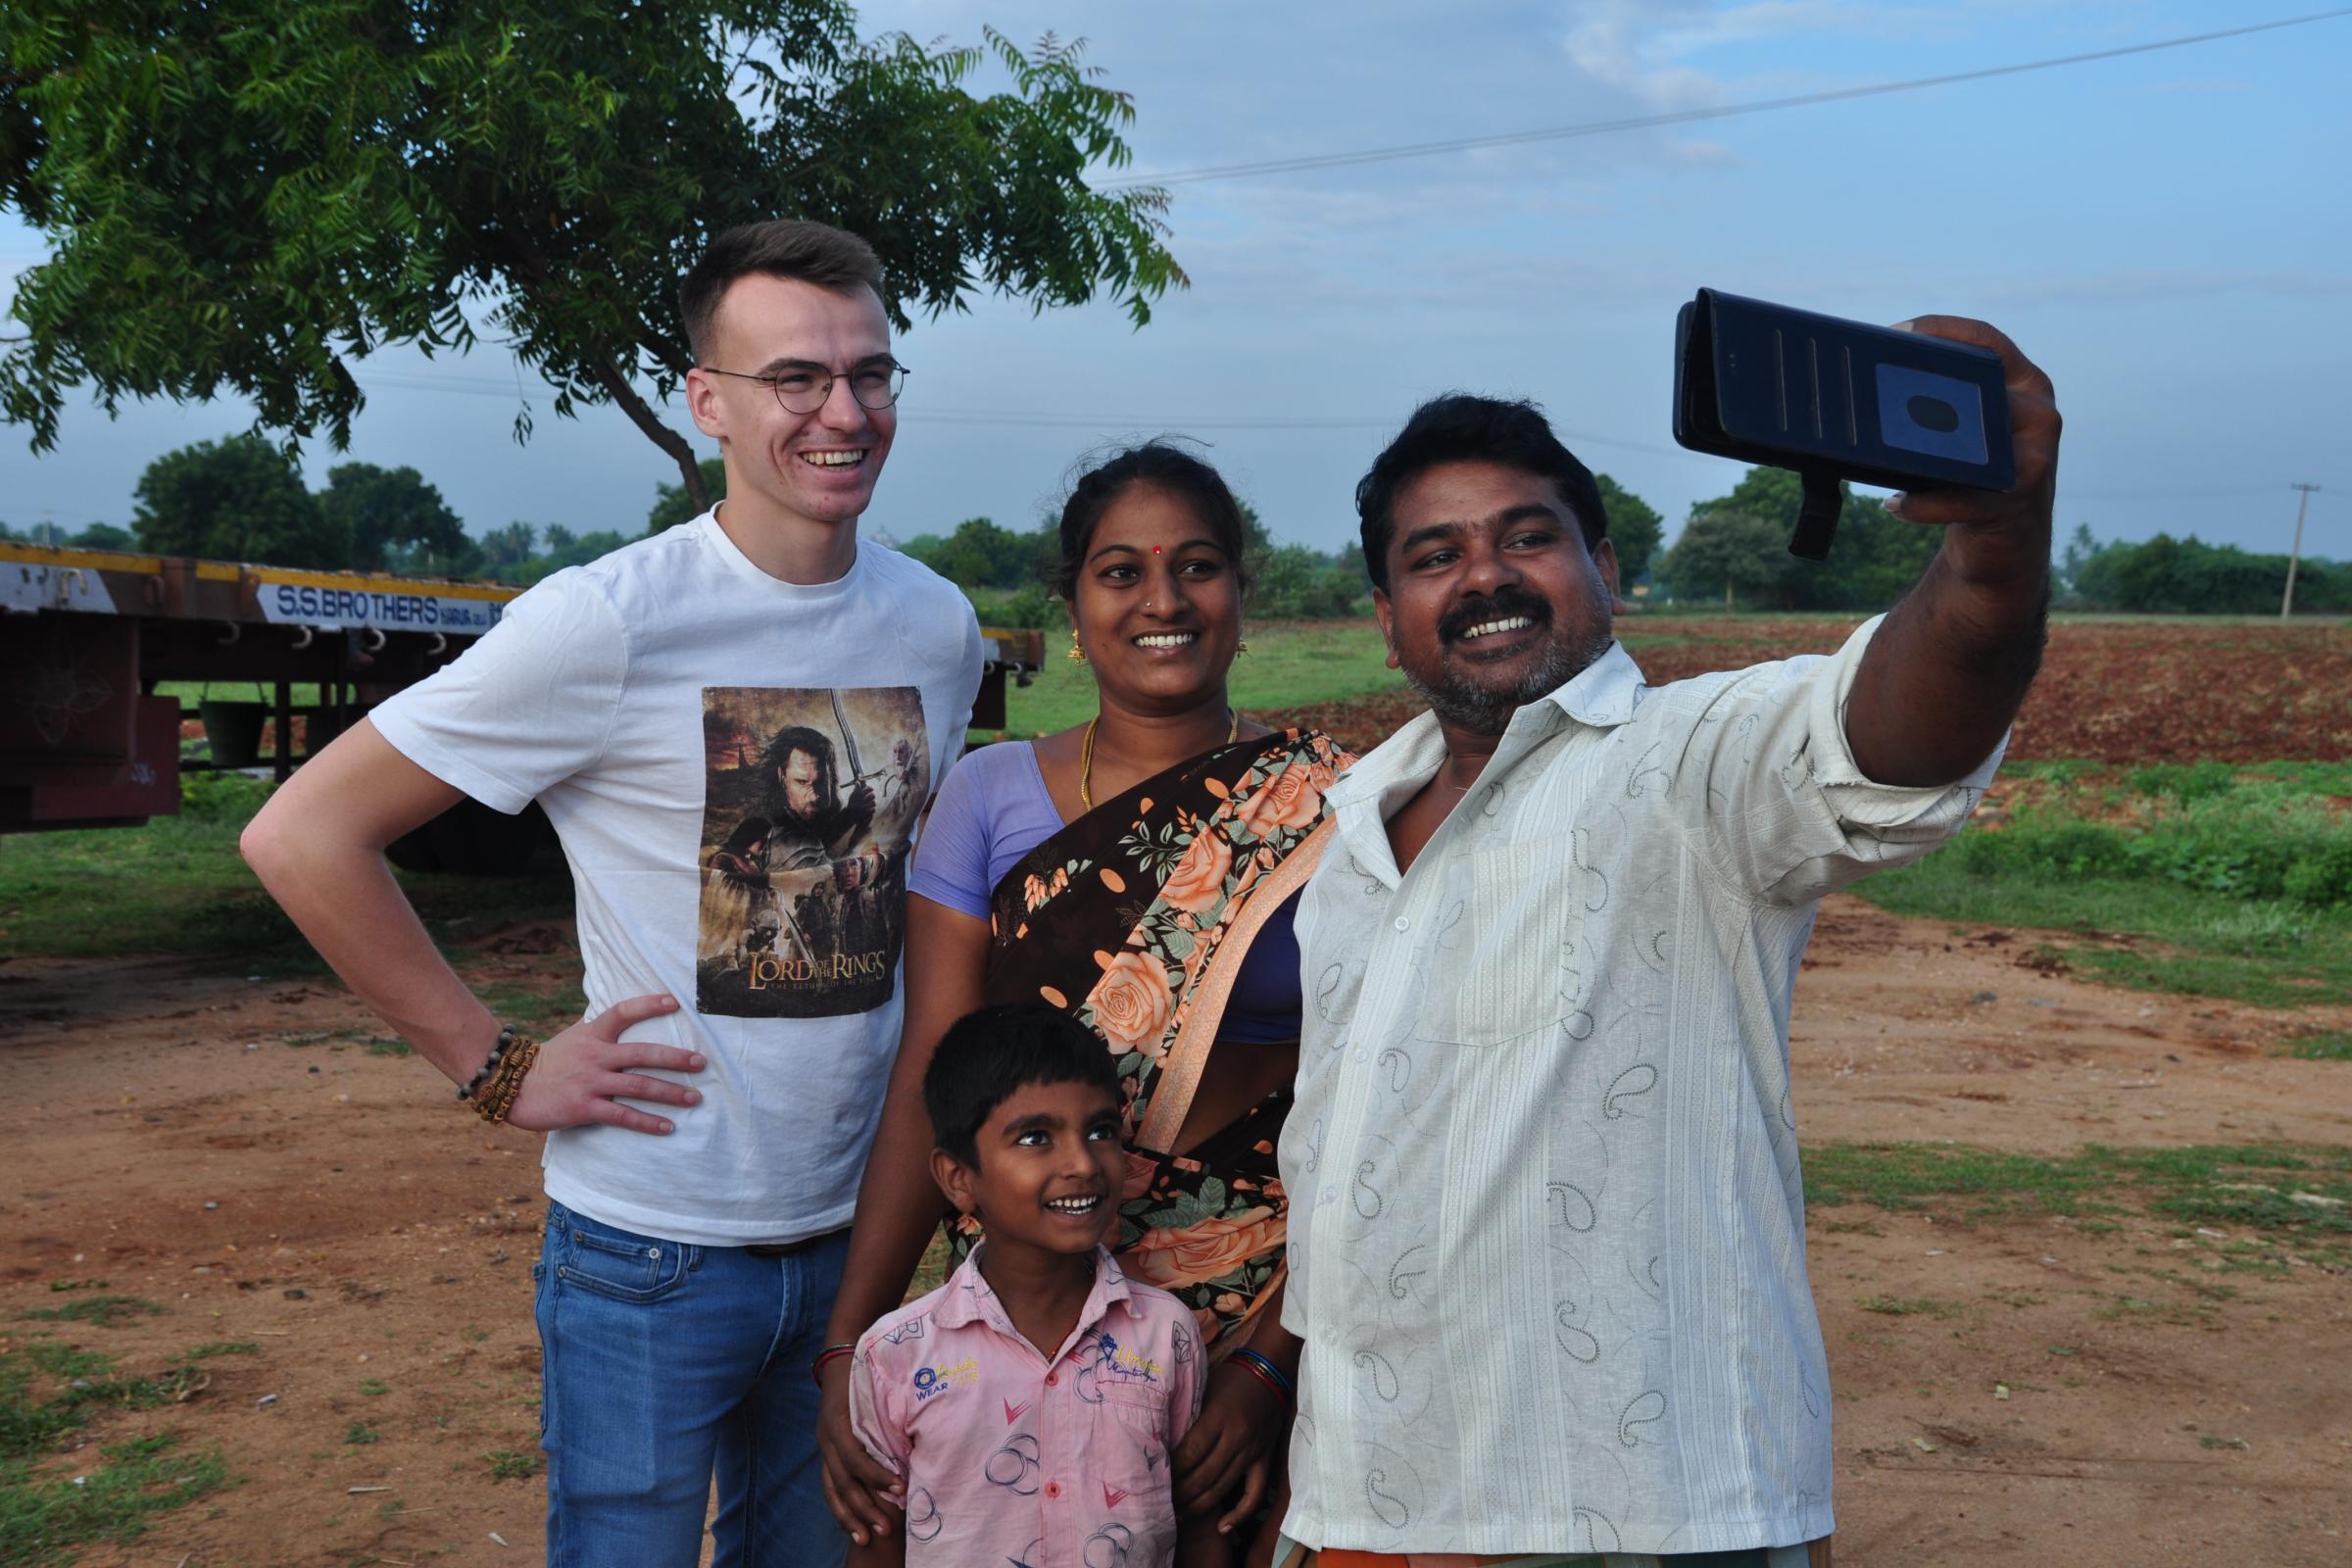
x=1402, y=923
x=1052, y=1488
x=1362, y=1056
x=1053, y=1380
x=1331, y=1194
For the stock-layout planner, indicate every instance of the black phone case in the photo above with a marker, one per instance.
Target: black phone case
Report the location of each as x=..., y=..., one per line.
x=1765, y=383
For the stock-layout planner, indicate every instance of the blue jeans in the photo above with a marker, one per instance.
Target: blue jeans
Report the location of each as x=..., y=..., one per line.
x=664, y=1363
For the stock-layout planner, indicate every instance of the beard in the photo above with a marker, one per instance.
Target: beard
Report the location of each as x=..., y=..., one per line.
x=1483, y=706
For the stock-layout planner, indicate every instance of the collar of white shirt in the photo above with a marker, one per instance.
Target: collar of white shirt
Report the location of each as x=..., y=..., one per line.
x=1601, y=695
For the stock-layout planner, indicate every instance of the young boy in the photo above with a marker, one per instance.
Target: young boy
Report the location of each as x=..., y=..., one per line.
x=1030, y=1403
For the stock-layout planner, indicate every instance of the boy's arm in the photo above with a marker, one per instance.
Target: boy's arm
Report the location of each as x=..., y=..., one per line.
x=318, y=846
x=879, y=1428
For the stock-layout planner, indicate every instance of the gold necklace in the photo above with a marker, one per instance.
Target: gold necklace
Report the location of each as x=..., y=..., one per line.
x=1086, y=758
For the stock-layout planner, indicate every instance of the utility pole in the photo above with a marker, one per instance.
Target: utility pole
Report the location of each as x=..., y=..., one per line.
x=2287, y=606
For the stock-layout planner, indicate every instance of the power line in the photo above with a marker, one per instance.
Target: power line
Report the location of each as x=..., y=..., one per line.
x=1179, y=424
x=1684, y=117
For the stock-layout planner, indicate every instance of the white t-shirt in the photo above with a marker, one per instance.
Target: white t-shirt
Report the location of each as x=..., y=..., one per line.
x=736, y=767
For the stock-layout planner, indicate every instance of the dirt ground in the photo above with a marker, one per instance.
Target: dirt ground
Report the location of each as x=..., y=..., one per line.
x=204, y=1143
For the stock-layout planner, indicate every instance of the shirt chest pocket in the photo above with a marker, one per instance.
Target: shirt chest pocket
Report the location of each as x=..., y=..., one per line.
x=1510, y=955
x=1129, y=1455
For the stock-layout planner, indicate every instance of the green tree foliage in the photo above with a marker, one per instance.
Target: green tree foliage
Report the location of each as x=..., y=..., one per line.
x=395, y=521
x=241, y=498
x=1728, y=553
x=1287, y=582
x=564, y=548
x=1634, y=529
x=105, y=536
x=981, y=555
x=2188, y=577
x=506, y=551
x=673, y=506
x=1874, y=561
x=248, y=196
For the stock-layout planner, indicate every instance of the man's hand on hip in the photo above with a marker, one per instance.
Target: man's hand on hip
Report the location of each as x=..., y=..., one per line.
x=582, y=1073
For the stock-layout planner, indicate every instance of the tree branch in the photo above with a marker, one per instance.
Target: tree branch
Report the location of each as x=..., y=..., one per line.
x=616, y=387
x=616, y=384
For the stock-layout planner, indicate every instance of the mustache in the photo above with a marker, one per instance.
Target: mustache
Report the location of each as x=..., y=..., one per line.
x=1503, y=602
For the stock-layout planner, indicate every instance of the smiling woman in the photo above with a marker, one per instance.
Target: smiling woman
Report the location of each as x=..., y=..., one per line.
x=1137, y=872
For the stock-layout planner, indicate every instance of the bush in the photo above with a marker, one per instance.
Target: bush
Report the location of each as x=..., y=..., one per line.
x=2244, y=842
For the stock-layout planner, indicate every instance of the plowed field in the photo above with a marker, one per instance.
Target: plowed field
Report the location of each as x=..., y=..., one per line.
x=2116, y=691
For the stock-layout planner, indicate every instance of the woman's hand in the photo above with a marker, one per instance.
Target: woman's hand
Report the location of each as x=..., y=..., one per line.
x=1241, y=1424
x=860, y=1490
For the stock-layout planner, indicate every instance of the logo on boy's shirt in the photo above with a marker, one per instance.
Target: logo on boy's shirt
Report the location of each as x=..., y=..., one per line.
x=930, y=1380
x=1128, y=1365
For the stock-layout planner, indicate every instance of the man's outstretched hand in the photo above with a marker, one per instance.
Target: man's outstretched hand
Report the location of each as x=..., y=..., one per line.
x=582, y=1072
x=1944, y=675
x=2034, y=427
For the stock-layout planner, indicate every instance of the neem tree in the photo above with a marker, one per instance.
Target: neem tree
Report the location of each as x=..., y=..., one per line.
x=249, y=195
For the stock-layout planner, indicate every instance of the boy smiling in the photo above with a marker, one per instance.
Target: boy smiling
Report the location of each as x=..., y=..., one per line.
x=1029, y=1404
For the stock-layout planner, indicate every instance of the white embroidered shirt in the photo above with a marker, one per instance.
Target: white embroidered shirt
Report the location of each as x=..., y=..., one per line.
x=1546, y=1233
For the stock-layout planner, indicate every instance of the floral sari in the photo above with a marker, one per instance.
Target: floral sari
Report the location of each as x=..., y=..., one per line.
x=1186, y=866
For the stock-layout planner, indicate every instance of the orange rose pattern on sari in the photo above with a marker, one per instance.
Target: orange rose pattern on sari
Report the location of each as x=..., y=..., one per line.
x=1188, y=849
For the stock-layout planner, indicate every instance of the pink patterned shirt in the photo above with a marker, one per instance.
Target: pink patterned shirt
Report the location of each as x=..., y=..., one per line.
x=1010, y=1458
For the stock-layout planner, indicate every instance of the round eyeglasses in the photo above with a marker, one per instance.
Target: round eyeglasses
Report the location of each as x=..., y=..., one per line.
x=801, y=387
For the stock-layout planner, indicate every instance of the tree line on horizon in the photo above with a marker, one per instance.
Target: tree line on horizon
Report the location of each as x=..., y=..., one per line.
x=243, y=499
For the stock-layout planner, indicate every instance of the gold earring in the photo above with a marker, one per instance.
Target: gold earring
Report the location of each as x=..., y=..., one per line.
x=1076, y=655
x=1241, y=646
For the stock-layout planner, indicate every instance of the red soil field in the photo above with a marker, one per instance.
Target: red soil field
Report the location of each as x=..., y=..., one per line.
x=2112, y=691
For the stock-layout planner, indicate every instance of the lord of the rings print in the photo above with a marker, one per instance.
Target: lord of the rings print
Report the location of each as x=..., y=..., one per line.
x=809, y=801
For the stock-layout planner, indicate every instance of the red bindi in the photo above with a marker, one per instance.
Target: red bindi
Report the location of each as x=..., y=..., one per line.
x=1155, y=550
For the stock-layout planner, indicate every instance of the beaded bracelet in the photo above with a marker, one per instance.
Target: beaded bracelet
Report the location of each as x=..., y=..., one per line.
x=816, y=1368
x=515, y=1063
x=1268, y=1373
x=498, y=1052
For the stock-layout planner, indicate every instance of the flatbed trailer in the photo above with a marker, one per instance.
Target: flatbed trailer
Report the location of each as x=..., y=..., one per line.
x=87, y=636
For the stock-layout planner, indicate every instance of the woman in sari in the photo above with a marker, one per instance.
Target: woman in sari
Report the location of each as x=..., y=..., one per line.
x=1141, y=872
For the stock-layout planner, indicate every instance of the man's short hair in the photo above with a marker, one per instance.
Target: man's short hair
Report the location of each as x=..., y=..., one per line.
x=1459, y=427
x=988, y=1054
x=782, y=247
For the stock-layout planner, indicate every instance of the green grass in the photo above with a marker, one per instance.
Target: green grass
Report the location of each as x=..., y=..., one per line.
x=2204, y=878
x=305, y=694
x=213, y=1348
x=2320, y=1047
x=2288, y=1193
x=508, y=1464
x=1910, y=1307
x=1289, y=665
x=360, y=1433
x=48, y=1394
x=103, y=1310
x=178, y=885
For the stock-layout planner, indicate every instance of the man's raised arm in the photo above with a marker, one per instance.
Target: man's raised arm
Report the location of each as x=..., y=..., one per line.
x=1943, y=677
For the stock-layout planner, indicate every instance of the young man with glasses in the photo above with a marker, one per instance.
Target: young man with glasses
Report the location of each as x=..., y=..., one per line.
x=704, y=715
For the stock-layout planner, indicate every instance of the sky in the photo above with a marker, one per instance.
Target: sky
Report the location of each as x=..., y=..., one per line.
x=2165, y=233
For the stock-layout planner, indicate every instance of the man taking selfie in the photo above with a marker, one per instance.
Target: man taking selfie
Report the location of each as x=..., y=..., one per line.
x=1548, y=1251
